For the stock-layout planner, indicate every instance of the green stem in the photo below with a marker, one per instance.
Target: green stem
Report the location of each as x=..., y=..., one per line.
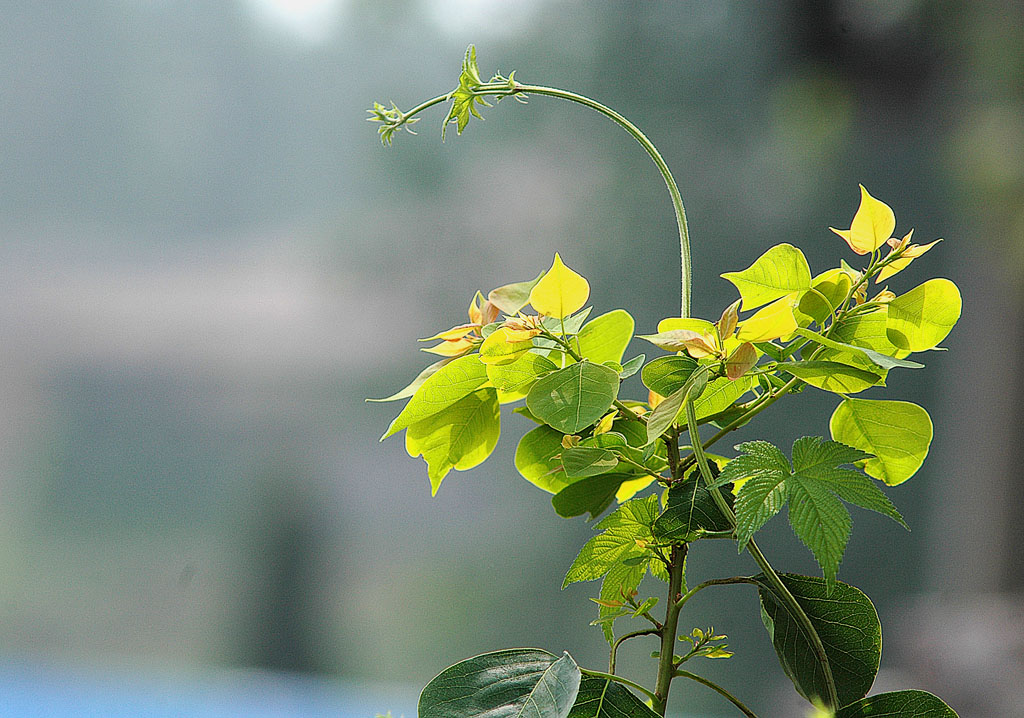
x=618, y=679
x=625, y=637
x=718, y=689
x=714, y=582
x=778, y=587
x=666, y=665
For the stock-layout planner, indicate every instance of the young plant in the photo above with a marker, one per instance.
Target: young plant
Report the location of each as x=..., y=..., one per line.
x=535, y=344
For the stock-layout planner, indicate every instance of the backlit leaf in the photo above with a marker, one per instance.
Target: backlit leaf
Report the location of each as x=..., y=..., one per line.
x=701, y=326
x=742, y=360
x=606, y=337
x=772, y=322
x=678, y=340
x=585, y=461
x=829, y=290
x=877, y=359
x=665, y=375
x=521, y=373
x=909, y=255
x=720, y=394
x=872, y=226
x=416, y=383
x=833, y=376
x=536, y=459
x=515, y=683
x=780, y=271
x=897, y=433
x=460, y=437
x=575, y=397
x=921, y=318
x=464, y=101
x=592, y=495
x=560, y=292
x=510, y=298
x=845, y=621
x=442, y=389
x=497, y=348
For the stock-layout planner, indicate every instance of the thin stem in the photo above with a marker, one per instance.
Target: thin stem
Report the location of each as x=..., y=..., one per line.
x=718, y=689
x=618, y=679
x=666, y=665
x=793, y=607
x=714, y=582
x=625, y=637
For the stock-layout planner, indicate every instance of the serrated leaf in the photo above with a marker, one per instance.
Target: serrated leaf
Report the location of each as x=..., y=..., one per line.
x=515, y=683
x=833, y=376
x=760, y=497
x=560, y=292
x=510, y=298
x=845, y=621
x=536, y=459
x=780, y=271
x=897, y=433
x=573, y=398
x=921, y=318
x=445, y=387
x=872, y=225
x=606, y=337
x=898, y=704
x=820, y=521
x=416, y=383
x=618, y=540
x=463, y=99
x=603, y=698
x=460, y=437
x=666, y=375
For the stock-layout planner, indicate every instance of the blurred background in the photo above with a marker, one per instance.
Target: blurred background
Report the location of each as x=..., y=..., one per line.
x=208, y=261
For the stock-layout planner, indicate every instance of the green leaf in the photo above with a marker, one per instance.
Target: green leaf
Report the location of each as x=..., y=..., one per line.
x=780, y=271
x=537, y=459
x=690, y=510
x=445, y=387
x=606, y=337
x=520, y=374
x=898, y=433
x=833, y=376
x=666, y=375
x=898, y=704
x=877, y=359
x=720, y=394
x=416, y=383
x=575, y=397
x=583, y=461
x=632, y=366
x=921, y=318
x=820, y=521
x=591, y=495
x=510, y=298
x=604, y=698
x=848, y=626
x=571, y=324
x=621, y=529
x=463, y=100
x=460, y=437
x=831, y=288
x=865, y=330
x=497, y=350
x=515, y=683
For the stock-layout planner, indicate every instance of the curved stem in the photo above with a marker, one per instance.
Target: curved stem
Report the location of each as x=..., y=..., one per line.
x=714, y=582
x=780, y=590
x=625, y=637
x=666, y=665
x=718, y=689
x=618, y=679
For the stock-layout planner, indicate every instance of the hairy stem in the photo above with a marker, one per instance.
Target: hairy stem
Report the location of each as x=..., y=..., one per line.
x=718, y=689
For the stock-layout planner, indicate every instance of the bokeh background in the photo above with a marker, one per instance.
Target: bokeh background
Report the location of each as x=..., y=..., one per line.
x=208, y=261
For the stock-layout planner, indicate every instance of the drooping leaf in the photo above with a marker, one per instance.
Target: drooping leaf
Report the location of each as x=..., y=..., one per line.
x=666, y=375
x=897, y=433
x=575, y=397
x=740, y=361
x=498, y=348
x=446, y=386
x=604, y=698
x=514, y=683
x=845, y=621
x=876, y=359
x=537, y=462
x=898, y=704
x=510, y=298
x=520, y=374
x=416, y=383
x=820, y=521
x=829, y=289
x=606, y=337
x=692, y=324
x=591, y=495
x=632, y=366
x=872, y=225
x=463, y=99
x=909, y=255
x=921, y=318
x=560, y=292
x=833, y=376
x=460, y=437
x=780, y=271
x=772, y=322
x=694, y=343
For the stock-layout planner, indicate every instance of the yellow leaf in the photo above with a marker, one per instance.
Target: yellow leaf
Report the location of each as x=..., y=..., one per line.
x=452, y=334
x=560, y=292
x=628, y=489
x=453, y=348
x=912, y=252
x=872, y=225
x=654, y=398
x=499, y=348
x=701, y=326
x=605, y=425
x=774, y=321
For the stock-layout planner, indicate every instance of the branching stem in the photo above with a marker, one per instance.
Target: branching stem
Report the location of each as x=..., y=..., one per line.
x=718, y=689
